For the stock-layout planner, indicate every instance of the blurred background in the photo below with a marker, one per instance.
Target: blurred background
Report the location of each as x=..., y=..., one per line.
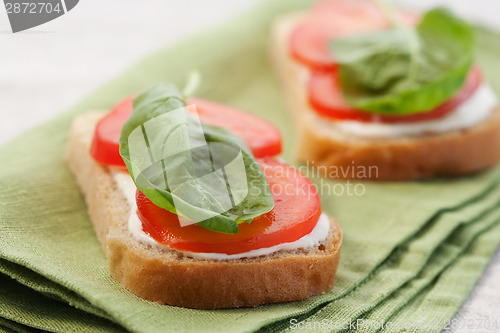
x=49, y=68
x=77, y=52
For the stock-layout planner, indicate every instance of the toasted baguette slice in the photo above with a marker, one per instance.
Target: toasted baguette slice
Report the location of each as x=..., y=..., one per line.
x=167, y=277
x=404, y=158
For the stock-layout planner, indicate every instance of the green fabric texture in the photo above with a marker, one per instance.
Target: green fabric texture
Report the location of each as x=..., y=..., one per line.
x=25, y=306
x=411, y=251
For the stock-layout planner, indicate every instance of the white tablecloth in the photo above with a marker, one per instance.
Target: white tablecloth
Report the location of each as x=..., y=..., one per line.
x=47, y=69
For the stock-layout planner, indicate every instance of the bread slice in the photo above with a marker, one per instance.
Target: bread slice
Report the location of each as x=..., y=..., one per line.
x=404, y=158
x=167, y=277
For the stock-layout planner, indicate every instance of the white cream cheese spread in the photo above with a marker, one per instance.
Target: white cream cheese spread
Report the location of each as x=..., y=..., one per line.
x=127, y=187
x=477, y=108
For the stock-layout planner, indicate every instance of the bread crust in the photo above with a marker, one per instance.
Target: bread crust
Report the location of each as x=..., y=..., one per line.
x=165, y=276
x=404, y=158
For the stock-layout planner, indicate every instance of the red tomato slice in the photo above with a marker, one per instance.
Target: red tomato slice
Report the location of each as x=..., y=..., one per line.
x=326, y=99
x=334, y=19
x=296, y=211
x=346, y=9
x=105, y=144
x=263, y=138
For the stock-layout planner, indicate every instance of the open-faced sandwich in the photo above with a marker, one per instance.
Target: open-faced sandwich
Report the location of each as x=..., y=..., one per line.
x=193, y=208
x=372, y=87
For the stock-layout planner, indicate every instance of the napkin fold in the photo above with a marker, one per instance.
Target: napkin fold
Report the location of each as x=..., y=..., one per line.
x=412, y=250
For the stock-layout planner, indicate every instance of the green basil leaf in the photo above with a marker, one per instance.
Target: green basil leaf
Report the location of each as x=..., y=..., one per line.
x=204, y=174
x=405, y=70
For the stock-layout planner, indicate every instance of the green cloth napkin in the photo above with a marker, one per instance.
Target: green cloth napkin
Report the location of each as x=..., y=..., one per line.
x=412, y=251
